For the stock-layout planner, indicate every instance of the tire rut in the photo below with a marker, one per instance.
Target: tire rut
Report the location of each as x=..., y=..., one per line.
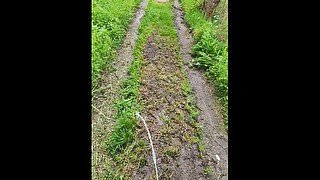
x=215, y=138
x=103, y=97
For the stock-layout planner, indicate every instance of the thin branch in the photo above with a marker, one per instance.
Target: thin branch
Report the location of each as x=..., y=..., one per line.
x=101, y=112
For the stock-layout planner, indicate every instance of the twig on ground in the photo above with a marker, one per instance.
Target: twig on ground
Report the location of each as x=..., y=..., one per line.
x=101, y=112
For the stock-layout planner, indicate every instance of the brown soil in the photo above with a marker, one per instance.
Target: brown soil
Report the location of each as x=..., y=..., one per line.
x=165, y=112
x=215, y=137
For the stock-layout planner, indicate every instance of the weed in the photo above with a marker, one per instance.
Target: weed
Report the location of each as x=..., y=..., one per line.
x=172, y=151
x=208, y=170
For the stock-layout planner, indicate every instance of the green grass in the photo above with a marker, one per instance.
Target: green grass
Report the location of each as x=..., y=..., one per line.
x=157, y=18
x=211, y=48
x=208, y=170
x=110, y=19
x=123, y=145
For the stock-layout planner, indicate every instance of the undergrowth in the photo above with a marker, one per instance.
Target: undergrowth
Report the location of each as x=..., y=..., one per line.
x=110, y=20
x=211, y=48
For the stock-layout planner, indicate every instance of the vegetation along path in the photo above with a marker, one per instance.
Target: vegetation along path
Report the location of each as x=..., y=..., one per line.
x=108, y=91
x=154, y=77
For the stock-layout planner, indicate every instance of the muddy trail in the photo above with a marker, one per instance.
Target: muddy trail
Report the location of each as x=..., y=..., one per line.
x=168, y=111
x=165, y=110
x=103, y=97
x=215, y=138
x=179, y=105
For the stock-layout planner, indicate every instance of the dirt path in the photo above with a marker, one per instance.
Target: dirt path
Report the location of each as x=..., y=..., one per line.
x=214, y=137
x=104, y=96
x=168, y=107
x=167, y=110
x=166, y=113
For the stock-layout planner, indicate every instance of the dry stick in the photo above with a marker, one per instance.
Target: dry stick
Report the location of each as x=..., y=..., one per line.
x=100, y=112
x=153, y=153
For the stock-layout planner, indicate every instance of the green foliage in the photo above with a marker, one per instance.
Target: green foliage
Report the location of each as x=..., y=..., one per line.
x=211, y=48
x=110, y=19
x=212, y=55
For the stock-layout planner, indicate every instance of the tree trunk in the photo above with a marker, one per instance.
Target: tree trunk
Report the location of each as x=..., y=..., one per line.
x=208, y=7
